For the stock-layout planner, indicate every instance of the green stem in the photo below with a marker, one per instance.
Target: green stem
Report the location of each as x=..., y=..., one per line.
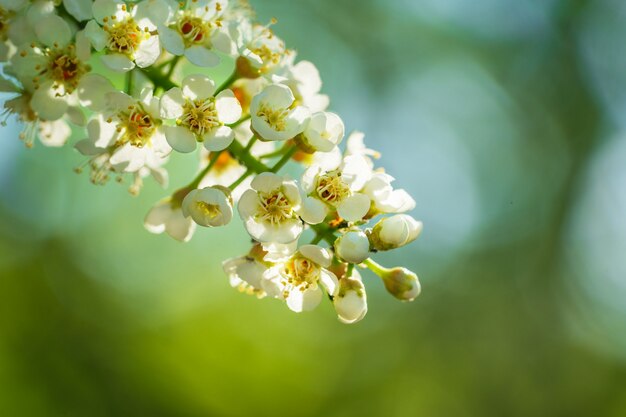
x=158, y=79
x=172, y=67
x=325, y=233
x=286, y=157
x=239, y=152
x=240, y=121
x=233, y=77
x=374, y=267
x=240, y=180
x=251, y=143
x=129, y=82
x=194, y=184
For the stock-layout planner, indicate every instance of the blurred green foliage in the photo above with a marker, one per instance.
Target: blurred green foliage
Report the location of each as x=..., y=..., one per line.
x=490, y=112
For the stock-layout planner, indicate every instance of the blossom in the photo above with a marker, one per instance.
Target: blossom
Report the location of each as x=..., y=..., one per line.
x=401, y=283
x=125, y=33
x=269, y=209
x=386, y=199
x=195, y=31
x=273, y=117
x=305, y=82
x=260, y=50
x=352, y=246
x=246, y=272
x=350, y=302
x=297, y=279
x=200, y=117
x=394, y=232
x=128, y=138
x=336, y=190
x=323, y=133
x=167, y=216
x=209, y=207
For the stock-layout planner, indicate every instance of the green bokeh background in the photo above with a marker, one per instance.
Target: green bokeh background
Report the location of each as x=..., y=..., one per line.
x=504, y=118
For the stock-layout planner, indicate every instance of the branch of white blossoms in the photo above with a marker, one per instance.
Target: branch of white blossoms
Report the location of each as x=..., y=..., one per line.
x=135, y=77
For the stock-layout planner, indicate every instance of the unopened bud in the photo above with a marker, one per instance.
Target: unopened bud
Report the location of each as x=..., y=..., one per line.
x=353, y=247
x=394, y=232
x=401, y=283
x=351, y=300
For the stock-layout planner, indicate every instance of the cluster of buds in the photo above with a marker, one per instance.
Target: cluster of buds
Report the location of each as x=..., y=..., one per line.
x=136, y=77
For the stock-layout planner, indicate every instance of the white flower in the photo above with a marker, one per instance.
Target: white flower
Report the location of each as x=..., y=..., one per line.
x=385, y=199
x=394, y=232
x=209, y=207
x=297, y=279
x=51, y=133
x=195, y=31
x=56, y=68
x=356, y=146
x=167, y=216
x=260, y=50
x=305, y=83
x=351, y=299
x=246, y=272
x=126, y=34
x=323, y=133
x=200, y=117
x=127, y=138
x=273, y=117
x=336, y=189
x=269, y=209
x=353, y=246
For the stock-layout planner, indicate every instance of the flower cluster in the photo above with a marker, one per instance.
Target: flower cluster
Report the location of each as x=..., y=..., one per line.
x=136, y=77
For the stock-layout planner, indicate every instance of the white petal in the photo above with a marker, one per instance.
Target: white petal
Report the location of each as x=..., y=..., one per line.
x=198, y=87
x=53, y=30
x=228, y=107
x=354, y=208
x=313, y=211
x=180, y=139
x=148, y=52
x=219, y=139
x=299, y=301
x=104, y=9
x=46, y=104
x=267, y=182
x=180, y=228
x=117, y=62
x=96, y=35
x=54, y=133
x=157, y=217
x=92, y=90
x=171, y=41
x=172, y=104
x=329, y=281
x=201, y=56
x=79, y=9
x=317, y=254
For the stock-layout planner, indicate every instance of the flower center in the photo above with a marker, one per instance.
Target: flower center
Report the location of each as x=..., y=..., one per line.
x=136, y=127
x=200, y=116
x=125, y=37
x=273, y=117
x=193, y=29
x=210, y=210
x=301, y=272
x=275, y=208
x=64, y=68
x=331, y=188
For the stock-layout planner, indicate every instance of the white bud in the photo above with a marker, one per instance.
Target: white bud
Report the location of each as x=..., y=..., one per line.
x=209, y=207
x=394, y=232
x=401, y=283
x=351, y=300
x=353, y=247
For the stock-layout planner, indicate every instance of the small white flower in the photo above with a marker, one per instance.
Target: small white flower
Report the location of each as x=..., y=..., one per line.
x=246, y=272
x=394, y=232
x=323, y=133
x=269, y=209
x=127, y=138
x=336, y=189
x=356, y=146
x=351, y=299
x=304, y=80
x=273, y=117
x=167, y=216
x=260, y=50
x=195, y=31
x=386, y=199
x=125, y=33
x=209, y=207
x=297, y=279
x=353, y=247
x=200, y=117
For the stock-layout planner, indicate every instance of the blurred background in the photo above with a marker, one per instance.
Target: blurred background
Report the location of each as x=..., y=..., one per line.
x=506, y=119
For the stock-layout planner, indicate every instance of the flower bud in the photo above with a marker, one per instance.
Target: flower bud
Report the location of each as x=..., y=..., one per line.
x=351, y=300
x=401, y=283
x=209, y=207
x=394, y=232
x=353, y=247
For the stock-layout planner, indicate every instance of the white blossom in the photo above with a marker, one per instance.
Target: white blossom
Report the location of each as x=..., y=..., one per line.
x=167, y=216
x=200, y=117
x=209, y=207
x=351, y=299
x=353, y=246
x=273, y=117
x=269, y=209
x=323, y=133
x=394, y=232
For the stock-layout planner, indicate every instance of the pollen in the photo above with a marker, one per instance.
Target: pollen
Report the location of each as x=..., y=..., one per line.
x=193, y=29
x=301, y=272
x=331, y=188
x=200, y=116
x=135, y=127
x=274, y=208
x=273, y=117
x=125, y=37
x=209, y=210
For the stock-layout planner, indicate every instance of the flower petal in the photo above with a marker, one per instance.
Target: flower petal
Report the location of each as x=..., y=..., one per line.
x=202, y=57
x=180, y=139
